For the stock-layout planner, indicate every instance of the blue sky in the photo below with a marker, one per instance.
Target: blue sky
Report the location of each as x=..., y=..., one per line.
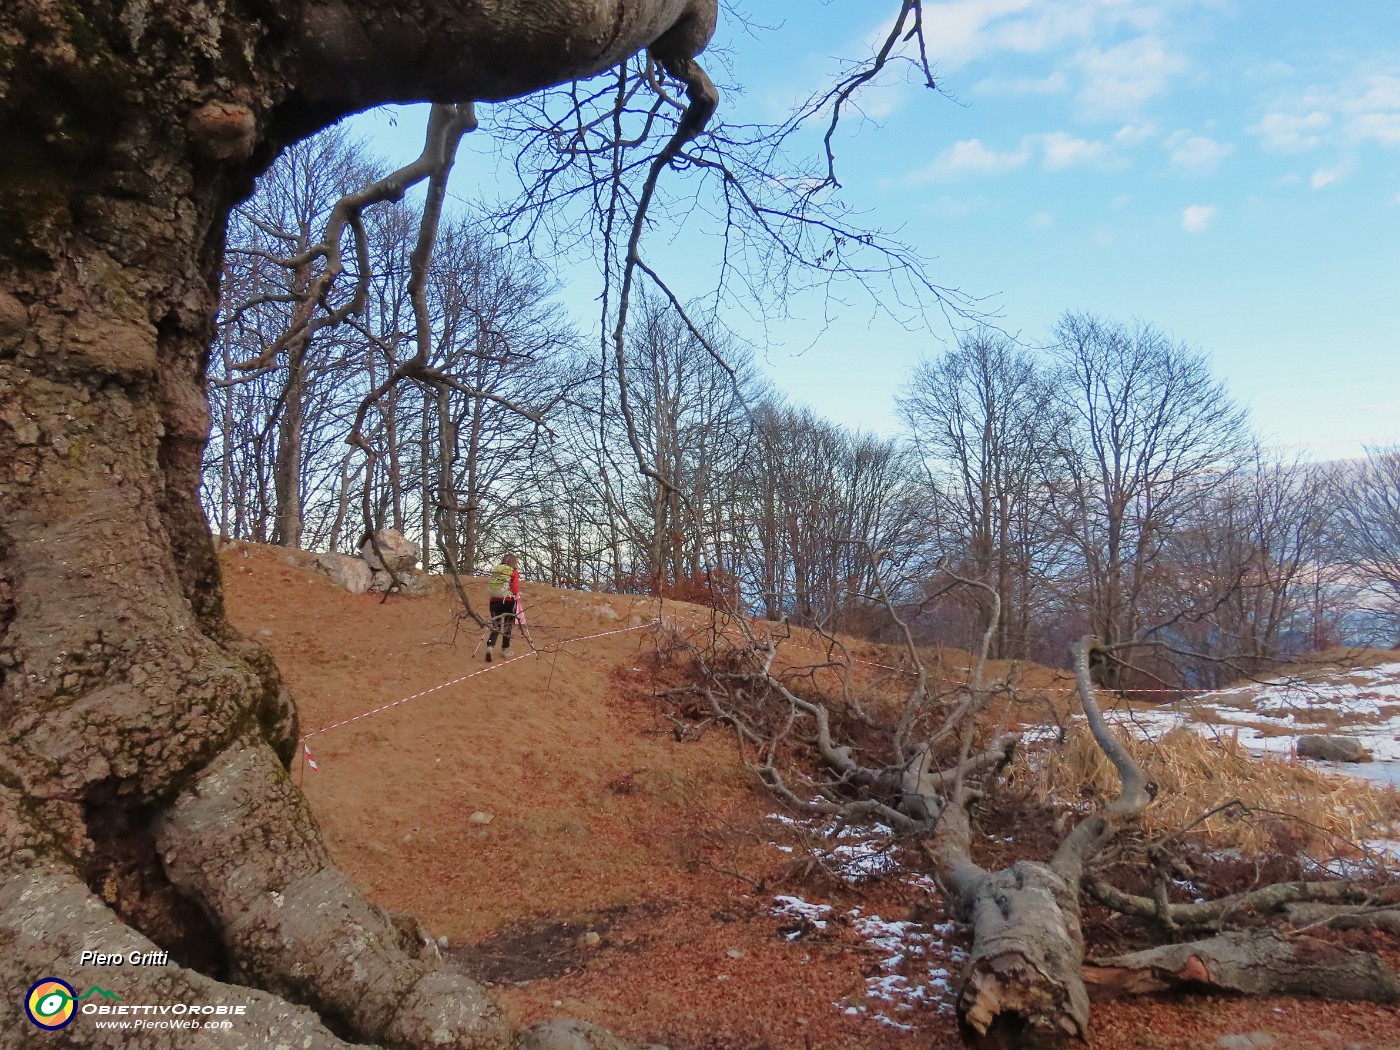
x=1227, y=170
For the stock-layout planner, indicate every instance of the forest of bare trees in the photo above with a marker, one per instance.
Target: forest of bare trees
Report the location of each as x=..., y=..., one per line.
x=1106, y=482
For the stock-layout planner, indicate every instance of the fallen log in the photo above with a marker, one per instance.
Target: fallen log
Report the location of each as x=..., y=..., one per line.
x=1251, y=962
x=1022, y=987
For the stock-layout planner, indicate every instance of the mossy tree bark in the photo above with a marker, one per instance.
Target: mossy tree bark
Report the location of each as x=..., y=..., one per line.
x=144, y=798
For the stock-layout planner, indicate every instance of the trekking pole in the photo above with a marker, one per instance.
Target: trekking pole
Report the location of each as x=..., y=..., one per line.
x=520, y=621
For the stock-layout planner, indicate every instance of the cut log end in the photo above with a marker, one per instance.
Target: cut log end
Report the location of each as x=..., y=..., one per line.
x=1007, y=1002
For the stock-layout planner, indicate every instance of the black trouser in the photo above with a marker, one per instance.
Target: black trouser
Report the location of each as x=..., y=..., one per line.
x=502, y=620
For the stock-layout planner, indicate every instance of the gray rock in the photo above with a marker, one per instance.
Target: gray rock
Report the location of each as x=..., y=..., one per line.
x=400, y=553
x=1333, y=748
x=345, y=571
x=1245, y=1041
x=569, y=1035
x=417, y=583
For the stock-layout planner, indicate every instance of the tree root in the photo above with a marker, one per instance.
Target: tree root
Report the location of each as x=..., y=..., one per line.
x=48, y=918
x=243, y=843
x=1261, y=901
x=324, y=968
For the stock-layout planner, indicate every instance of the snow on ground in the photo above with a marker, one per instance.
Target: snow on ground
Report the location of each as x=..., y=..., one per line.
x=851, y=852
x=906, y=946
x=911, y=955
x=1268, y=717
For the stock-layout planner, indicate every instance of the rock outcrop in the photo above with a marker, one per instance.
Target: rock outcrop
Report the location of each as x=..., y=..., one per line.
x=346, y=571
x=1328, y=748
x=400, y=554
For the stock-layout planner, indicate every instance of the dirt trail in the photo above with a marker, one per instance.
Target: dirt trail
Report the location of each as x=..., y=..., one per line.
x=624, y=877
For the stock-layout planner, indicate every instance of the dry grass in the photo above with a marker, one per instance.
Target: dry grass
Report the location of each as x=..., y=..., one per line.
x=1195, y=775
x=1338, y=656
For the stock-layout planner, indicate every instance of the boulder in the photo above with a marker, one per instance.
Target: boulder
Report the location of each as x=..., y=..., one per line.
x=345, y=571
x=571, y=1035
x=1333, y=748
x=400, y=553
x=411, y=581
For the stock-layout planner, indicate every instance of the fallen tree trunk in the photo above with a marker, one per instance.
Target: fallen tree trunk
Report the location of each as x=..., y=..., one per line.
x=1253, y=962
x=1022, y=986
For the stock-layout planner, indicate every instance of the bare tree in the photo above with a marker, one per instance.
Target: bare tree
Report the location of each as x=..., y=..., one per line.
x=690, y=410
x=506, y=342
x=985, y=423
x=287, y=407
x=814, y=497
x=1368, y=528
x=1238, y=581
x=1151, y=433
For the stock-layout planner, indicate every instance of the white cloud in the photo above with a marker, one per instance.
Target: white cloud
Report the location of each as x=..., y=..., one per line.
x=1336, y=173
x=961, y=31
x=1120, y=202
x=1197, y=154
x=971, y=157
x=1374, y=112
x=1041, y=220
x=1059, y=151
x=1135, y=134
x=1121, y=79
x=1382, y=128
x=1291, y=132
x=1363, y=110
x=1197, y=217
x=1065, y=151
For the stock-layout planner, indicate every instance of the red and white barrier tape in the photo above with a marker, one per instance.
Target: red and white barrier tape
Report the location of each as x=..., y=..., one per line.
x=306, y=751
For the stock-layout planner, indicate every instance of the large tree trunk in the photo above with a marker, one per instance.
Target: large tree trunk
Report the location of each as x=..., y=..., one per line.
x=144, y=798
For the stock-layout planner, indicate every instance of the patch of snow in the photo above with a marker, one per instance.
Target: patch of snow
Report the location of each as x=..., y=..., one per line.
x=797, y=908
x=893, y=1023
x=855, y=853
x=913, y=949
x=1387, y=850
x=908, y=945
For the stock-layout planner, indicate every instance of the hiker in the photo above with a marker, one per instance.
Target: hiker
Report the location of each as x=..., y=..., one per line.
x=504, y=592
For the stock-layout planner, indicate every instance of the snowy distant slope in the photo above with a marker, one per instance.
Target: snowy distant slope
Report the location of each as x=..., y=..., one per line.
x=1270, y=716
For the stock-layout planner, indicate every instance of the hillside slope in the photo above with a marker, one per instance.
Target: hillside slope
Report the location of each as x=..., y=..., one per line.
x=624, y=877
